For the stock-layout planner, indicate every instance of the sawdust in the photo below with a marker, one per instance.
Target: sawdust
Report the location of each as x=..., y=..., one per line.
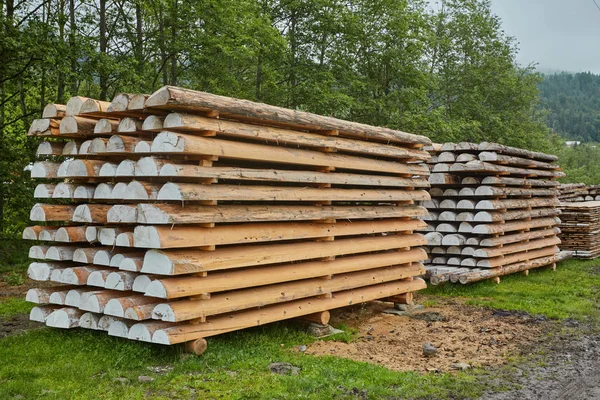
x=475, y=336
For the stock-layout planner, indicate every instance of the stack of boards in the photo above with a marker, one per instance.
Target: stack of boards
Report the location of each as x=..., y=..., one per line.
x=494, y=211
x=578, y=192
x=580, y=228
x=173, y=217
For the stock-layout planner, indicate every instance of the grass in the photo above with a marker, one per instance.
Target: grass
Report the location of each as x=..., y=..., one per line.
x=569, y=292
x=83, y=365
x=14, y=255
x=13, y=306
x=54, y=364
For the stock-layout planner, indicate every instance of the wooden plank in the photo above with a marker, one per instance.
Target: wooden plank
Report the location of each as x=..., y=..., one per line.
x=517, y=257
x=178, y=262
x=490, y=205
x=179, y=99
x=516, y=247
x=178, y=143
x=494, y=157
x=188, y=123
x=156, y=237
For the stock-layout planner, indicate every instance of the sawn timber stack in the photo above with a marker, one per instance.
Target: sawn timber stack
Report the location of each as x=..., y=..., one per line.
x=181, y=215
x=580, y=228
x=494, y=211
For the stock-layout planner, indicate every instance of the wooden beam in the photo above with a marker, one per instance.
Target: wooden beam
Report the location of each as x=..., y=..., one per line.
x=170, y=288
x=156, y=237
x=178, y=262
x=177, y=143
x=187, y=332
x=279, y=293
x=199, y=192
x=178, y=99
x=189, y=123
x=198, y=214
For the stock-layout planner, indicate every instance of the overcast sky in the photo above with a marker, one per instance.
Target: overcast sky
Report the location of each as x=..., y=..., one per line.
x=557, y=34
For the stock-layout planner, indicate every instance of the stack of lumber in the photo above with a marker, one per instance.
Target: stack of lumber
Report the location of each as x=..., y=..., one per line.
x=578, y=192
x=580, y=228
x=494, y=211
x=173, y=217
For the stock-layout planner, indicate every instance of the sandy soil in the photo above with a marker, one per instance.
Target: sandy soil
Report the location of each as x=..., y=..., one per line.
x=462, y=334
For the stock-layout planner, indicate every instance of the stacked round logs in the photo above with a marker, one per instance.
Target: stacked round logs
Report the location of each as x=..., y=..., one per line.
x=578, y=192
x=580, y=228
x=177, y=216
x=494, y=211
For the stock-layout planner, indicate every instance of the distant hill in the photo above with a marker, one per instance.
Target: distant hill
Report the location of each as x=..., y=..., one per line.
x=574, y=104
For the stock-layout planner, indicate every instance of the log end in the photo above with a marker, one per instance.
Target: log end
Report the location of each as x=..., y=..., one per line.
x=156, y=289
x=89, y=321
x=118, y=329
x=163, y=312
x=141, y=283
x=114, y=308
x=170, y=191
x=197, y=347
x=156, y=262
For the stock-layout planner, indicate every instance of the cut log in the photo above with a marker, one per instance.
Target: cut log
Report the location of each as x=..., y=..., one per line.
x=177, y=262
x=486, y=216
x=517, y=257
x=516, y=248
x=120, y=329
x=153, y=123
x=96, y=301
x=106, y=126
x=60, y=253
x=167, y=169
x=89, y=320
x=140, y=312
x=94, y=106
x=45, y=169
x=265, y=295
x=47, y=149
x=98, y=278
x=120, y=102
x=198, y=192
x=122, y=144
x=130, y=125
x=186, y=332
x=156, y=237
x=51, y=212
x=91, y=213
x=120, y=280
x=44, y=127
x=195, y=214
x=83, y=168
x=138, y=102
x=128, y=214
x=41, y=271
x=77, y=126
x=519, y=237
x=504, y=181
x=516, y=203
x=197, y=124
x=54, y=111
x=494, y=157
x=78, y=275
x=178, y=99
x=169, y=288
x=64, y=318
x=38, y=252
x=118, y=306
x=487, y=229
x=487, y=146
x=172, y=143
x=72, y=234
x=482, y=274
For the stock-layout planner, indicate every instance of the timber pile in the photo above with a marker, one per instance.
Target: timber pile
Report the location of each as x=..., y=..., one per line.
x=578, y=192
x=494, y=211
x=177, y=216
x=580, y=228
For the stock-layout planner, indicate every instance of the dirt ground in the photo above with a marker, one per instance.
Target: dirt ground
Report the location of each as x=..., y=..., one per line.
x=464, y=336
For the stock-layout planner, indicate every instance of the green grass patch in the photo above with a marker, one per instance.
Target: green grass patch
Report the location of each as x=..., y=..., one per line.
x=84, y=364
x=13, y=306
x=569, y=292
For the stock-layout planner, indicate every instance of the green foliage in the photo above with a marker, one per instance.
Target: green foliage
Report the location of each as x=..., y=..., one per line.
x=569, y=292
x=14, y=278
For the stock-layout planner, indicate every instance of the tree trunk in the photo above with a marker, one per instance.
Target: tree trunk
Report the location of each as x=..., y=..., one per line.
x=103, y=46
x=72, y=48
x=139, y=37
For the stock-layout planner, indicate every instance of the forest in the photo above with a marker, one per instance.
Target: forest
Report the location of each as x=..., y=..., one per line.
x=445, y=70
x=573, y=104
